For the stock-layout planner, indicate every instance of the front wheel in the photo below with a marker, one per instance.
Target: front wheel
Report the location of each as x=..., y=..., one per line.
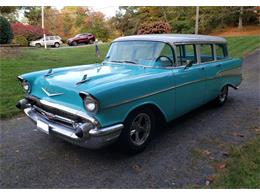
x=74, y=43
x=38, y=45
x=222, y=97
x=138, y=130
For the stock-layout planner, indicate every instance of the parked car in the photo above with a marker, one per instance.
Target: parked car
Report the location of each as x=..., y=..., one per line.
x=54, y=41
x=86, y=38
x=144, y=79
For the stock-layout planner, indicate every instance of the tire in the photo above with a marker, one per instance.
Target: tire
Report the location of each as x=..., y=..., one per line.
x=56, y=45
x=139, y=127
x=74, y=43
x=222, y=97
x=91, y=41
x=38, y=45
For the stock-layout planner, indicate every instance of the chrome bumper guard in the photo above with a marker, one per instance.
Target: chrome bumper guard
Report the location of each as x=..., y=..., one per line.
x=83, y=133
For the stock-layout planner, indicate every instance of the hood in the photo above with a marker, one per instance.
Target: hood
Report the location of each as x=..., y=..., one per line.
x=99, y=78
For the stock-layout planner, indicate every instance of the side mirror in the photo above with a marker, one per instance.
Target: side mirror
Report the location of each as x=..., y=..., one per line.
x=188, y=64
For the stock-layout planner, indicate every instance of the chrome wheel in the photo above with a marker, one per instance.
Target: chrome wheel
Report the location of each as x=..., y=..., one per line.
x=140, y=129
x=223, y=94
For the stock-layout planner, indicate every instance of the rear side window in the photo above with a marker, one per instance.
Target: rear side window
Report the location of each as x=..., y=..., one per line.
x=206, y=53
x=221, y=51
x=184, y=53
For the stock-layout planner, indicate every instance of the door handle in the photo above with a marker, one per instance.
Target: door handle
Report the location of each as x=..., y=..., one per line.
x=219, y=65
x=203, y=68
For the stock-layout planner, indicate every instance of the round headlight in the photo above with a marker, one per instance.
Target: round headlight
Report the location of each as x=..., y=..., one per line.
x=90, y=104
x=26, y=86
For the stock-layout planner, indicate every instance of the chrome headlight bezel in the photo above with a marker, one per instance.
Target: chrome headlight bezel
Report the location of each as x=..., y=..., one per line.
x=90, y=103
x=26, y=86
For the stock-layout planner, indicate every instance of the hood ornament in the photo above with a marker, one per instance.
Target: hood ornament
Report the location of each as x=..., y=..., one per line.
x=83, y=80
x=51, y=94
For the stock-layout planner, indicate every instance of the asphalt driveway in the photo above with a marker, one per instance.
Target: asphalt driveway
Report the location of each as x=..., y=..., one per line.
x=180, y=156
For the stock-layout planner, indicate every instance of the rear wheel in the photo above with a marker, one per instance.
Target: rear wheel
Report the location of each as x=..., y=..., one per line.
x=222, y=97
x=138, y=130
x=56, y=45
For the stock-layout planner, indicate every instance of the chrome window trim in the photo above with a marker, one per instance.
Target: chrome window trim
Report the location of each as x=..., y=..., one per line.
x=214, y=52
x=224, y=73
x=166, y=42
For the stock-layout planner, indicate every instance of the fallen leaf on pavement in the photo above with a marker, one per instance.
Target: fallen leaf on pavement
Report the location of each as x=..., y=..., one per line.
x=209, y=179
x=225, y=154
x=206, y=152
x=237, y=134
x=136, y=167
x=219, y=166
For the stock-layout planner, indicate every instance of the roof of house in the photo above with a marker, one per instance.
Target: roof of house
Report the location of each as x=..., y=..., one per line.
x=174, y=38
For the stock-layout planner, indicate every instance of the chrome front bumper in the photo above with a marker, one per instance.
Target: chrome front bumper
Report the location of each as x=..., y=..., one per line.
x=85, y=133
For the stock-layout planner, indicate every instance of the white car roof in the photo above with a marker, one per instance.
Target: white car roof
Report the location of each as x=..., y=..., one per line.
x=174, y=38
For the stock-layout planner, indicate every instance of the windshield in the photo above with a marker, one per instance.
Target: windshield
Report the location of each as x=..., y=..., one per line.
x=149, y=53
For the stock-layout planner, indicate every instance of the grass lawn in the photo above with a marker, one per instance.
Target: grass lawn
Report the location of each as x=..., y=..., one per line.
x=243, y=167
x=32, y=59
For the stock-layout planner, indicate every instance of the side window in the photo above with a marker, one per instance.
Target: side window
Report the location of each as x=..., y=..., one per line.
x=51, y=38
x=221, y=51
x=184, y=53
x=206, y=53
x=167, y=51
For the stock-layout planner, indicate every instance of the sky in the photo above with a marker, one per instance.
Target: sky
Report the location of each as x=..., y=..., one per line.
x=109, y=11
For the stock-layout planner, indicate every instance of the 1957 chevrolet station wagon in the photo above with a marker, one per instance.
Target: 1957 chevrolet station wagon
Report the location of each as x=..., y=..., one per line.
x=143, y=78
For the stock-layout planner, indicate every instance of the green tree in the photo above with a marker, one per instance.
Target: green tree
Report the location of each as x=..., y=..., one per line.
x=10, y=12
x=6, y=33
x=33, y=15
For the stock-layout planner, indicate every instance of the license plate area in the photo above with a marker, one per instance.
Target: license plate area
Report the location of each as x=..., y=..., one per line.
x=42, y=126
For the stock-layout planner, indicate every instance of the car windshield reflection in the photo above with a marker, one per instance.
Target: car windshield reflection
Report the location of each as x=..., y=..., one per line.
x=148, y=53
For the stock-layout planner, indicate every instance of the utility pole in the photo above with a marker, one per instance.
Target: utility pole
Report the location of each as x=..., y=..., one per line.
x=240, y=19
x=44, y=37
x=197, y=21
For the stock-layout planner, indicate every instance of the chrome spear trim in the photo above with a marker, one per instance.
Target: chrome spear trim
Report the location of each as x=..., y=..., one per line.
x=83, y=80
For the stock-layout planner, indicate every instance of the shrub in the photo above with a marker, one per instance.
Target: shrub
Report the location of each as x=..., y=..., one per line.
x=159, y=27
x=21, y=40
x=6, y=33
x=30, y=32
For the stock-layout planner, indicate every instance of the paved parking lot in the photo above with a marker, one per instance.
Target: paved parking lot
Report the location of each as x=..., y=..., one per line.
x=178, y=157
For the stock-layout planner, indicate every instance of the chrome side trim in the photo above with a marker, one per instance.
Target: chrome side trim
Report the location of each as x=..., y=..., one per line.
x=225, y=73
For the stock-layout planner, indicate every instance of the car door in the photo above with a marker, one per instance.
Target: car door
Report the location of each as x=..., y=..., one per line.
x=212, y=56
x=189, y=82
x=47, y=38
x=82, y=38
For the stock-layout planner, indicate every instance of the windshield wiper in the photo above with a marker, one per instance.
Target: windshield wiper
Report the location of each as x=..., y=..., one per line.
x=131, y=62
x=125, y=61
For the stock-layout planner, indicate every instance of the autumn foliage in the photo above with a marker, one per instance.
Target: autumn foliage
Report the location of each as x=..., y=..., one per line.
x=30, y=32
x=159, y=27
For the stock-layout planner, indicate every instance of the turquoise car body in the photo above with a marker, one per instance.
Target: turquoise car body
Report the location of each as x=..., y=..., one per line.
x=120, y=88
